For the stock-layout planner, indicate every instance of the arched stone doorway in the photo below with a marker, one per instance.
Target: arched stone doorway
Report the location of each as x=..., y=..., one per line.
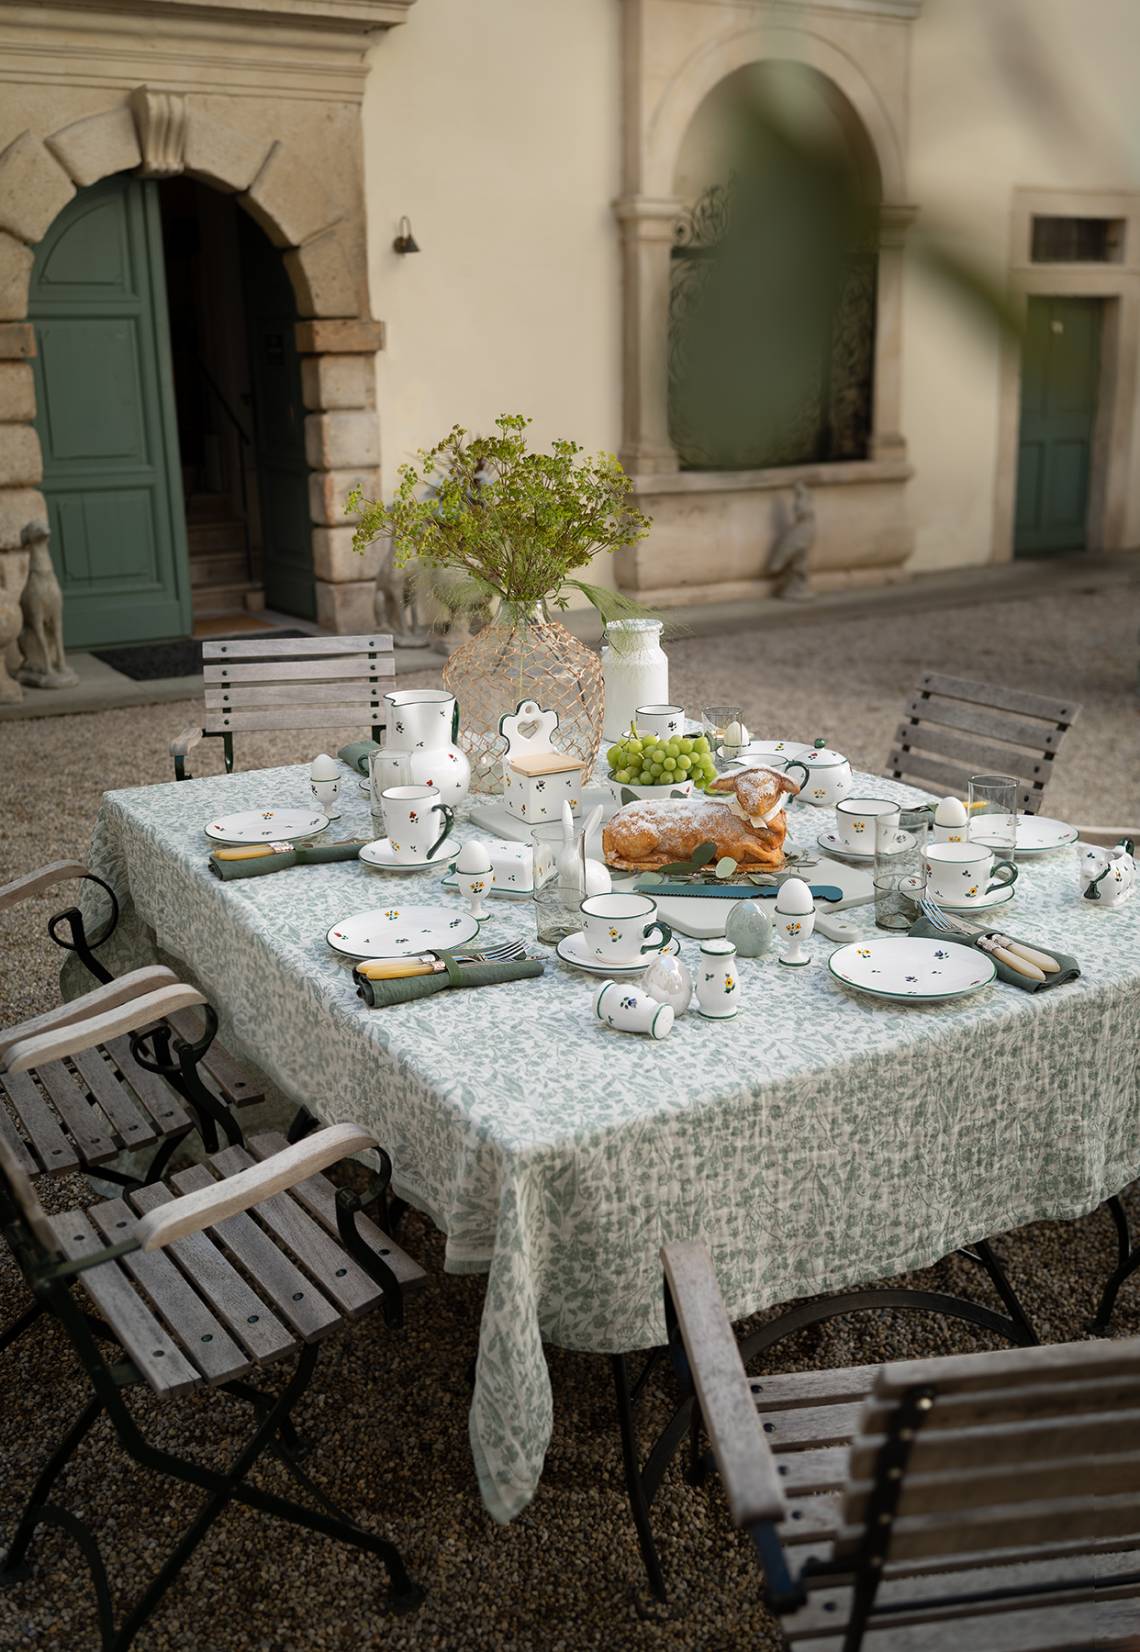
x=682, y=57
x=314, y=223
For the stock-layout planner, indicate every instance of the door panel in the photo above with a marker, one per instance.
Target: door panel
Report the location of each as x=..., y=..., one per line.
x=279, y=426
x=1060, y=361
x=104, y=412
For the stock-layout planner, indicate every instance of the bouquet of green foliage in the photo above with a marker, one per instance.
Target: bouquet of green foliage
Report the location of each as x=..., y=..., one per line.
x=494, y=519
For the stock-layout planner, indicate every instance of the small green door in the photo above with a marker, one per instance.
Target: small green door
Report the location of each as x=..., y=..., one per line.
x=279, y=426
x=1060, y=359
x=105, y=416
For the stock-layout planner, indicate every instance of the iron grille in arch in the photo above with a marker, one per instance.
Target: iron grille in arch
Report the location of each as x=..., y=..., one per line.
x=828, y=416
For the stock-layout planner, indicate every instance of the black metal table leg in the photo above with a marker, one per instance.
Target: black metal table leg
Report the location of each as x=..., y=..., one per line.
x=635, y=1488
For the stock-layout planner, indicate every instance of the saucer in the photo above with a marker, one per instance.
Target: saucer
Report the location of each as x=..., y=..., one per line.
x=267, y=826
x=912, y=889
x=573, y=951
x=834, y=844
x=379, y=854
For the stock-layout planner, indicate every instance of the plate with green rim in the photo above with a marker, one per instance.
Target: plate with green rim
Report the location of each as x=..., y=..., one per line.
x=910, y=969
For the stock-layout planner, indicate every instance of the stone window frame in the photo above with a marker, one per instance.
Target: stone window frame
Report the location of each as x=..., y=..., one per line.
x=1118, y=284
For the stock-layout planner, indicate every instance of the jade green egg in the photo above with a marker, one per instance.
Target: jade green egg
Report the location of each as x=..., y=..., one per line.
x=749, y=928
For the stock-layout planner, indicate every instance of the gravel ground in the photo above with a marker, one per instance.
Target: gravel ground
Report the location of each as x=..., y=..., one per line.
x=389, y=1412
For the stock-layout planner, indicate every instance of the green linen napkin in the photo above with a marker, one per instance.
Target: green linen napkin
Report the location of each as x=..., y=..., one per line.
x=1068, y=971
x=303, y=854
x=357, y=754
x=380, y=994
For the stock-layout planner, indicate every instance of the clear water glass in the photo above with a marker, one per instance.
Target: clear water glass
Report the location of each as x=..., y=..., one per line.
x=899, y=876
x=557, y=900
x=992, y=812
x=717, y=720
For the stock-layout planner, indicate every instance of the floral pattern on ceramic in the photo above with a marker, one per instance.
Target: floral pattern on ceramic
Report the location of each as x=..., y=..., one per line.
x=264, y=825
x=718, y=986
x=908, y=967
x=419, y=748
x=1108, y=876
x=631, y=1009
x=498, y=1149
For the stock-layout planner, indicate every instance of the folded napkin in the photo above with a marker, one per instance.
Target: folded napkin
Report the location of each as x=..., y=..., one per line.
x=357, y=754
x=302, y=854
x=380, y=994
x=1068, y=971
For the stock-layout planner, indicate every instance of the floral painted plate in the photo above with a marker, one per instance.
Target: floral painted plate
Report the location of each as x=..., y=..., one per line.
x=267, y=826
x=1036, y=834
x=379, y=854
x=909, y=969
x=401, y=931
x=573, y=951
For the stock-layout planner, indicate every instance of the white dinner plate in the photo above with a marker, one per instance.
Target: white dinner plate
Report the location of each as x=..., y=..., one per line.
x=267, y=826
x=909, y=968
x=834, y=844
x=573, y=951
x=379, y=854
x=913, y=889
x=782, y=751
x=400, y=931
x=1036, y=834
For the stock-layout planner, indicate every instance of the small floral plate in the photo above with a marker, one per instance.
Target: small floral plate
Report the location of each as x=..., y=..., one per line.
x=914, y=890
x=267, y=826
x=400, y=931
x=379, y=854
x=573, y=951
x=909, y=967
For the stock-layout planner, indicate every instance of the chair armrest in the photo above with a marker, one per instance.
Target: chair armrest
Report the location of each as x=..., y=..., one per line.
x=23, y=888
x=207, y=1206
x=96, y=1029
x=180, y=748
x=740, y=1447
x=116, y=992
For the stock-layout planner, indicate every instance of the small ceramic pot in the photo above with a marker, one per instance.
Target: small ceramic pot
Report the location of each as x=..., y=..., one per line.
x=827, y=776
x=718, y=987
x=631, y=1009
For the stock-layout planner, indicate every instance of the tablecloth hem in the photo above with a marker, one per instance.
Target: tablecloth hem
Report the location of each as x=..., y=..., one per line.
x=501, y=1509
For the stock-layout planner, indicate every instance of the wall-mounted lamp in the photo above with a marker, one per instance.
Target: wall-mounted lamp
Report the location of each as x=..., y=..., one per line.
x=405, y=241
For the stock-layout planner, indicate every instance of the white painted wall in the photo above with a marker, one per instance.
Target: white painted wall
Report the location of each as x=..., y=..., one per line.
x=984, y=121
x=496, y=127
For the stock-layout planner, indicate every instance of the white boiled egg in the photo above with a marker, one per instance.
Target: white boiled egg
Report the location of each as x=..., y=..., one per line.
x=323, y=768
x=950, y=812
x=794, y=898
x=474, y=857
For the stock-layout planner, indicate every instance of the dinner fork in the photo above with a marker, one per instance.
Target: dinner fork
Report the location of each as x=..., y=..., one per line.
x=508, y=952
x=935, y=916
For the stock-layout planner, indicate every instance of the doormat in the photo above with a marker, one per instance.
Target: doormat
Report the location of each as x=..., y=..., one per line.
x=145, y=661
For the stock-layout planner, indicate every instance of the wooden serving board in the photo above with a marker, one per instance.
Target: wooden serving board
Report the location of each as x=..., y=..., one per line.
x=703, y=918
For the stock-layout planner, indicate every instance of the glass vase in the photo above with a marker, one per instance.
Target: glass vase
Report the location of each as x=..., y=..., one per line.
x=522, y=654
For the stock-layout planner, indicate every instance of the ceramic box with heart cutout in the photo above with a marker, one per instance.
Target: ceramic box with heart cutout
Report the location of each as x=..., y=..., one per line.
x=537, y=778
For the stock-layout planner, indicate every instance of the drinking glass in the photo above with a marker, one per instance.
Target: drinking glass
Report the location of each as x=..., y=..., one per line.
x=556, y=900
x=992, y=812
x=717, y=721
x=899, y=877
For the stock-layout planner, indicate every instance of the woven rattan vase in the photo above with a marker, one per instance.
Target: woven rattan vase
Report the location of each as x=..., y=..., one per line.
x=524, y=655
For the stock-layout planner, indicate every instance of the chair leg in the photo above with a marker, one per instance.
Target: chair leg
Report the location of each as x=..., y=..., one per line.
x=13, y=1569
x=634, y=1485
x=1100, y=1321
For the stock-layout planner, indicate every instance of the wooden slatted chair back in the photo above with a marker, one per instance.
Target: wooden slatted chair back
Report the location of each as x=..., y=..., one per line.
x=296, y=682
x=955, y=728
x=1027, y=1449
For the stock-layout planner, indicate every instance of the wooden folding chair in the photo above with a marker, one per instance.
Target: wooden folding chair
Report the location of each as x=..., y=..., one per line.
x=980, y=1500
x=289, y=683
x=955, y=728
x=236, y=1263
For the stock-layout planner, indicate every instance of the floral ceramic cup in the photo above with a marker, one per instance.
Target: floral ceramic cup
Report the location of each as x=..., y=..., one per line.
x=418, y=821
x=856, y=818
x=963, y=873
x=620, y=929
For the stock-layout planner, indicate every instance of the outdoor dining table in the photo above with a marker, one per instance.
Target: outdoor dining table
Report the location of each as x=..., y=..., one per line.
x=819, y=1140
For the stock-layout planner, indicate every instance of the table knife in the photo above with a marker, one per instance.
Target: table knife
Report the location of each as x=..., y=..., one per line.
x=255, y=851
x=734, y=891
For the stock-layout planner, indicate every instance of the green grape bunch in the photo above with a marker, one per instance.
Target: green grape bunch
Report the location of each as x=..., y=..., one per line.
x=646, y=760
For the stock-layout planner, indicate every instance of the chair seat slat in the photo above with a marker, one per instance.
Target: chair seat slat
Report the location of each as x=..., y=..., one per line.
x=318, y=1195
x=1011, y=1367
x=983, y=1483
x=254, y=1325
x=52, y=1147
x=93, y=1142
x=810, y=1425
x=268, y=648
x=358, y=714
x=15, y=1142
x=134, y=1126
x=338, y=1275
x=788, y=1388
x=363, y=668
x=1109, y=1626
x=1002, y=697
x=238, y=1085
x=1004, y=1526
x=147, y=1343
x=204, y=1340
x=1048, y=1440
x=155, y=1094
x=291, y=1292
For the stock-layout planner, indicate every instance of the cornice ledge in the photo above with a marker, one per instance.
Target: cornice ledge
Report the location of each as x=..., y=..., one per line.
x=903, y=10
x=359, y=17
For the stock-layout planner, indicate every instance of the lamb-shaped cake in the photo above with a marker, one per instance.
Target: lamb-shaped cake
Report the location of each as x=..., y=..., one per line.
x=651, y=833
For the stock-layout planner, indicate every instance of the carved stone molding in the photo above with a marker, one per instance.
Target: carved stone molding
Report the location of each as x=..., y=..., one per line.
x=160, y=119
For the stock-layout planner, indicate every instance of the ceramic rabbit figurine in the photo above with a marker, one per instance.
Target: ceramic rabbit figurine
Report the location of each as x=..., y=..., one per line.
x=1107, y=875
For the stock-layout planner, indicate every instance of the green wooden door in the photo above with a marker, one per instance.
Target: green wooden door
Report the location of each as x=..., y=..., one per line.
x=105, y=416
x=279, y=426
x=1060, y=359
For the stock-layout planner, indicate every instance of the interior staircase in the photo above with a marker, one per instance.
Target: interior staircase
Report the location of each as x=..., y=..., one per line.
x=216, y=539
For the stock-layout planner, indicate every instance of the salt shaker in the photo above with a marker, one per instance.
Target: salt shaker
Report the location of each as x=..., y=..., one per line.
x=718, y=989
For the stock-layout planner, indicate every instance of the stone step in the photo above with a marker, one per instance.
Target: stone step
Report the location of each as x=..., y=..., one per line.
x=219, y=568
x=202, y=538
x=239, y=595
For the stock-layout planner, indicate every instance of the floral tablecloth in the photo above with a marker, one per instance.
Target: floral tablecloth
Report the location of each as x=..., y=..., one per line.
x=818, y=1140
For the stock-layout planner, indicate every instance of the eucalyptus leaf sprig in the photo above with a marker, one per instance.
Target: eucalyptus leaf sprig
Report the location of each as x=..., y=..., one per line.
x=516, y=523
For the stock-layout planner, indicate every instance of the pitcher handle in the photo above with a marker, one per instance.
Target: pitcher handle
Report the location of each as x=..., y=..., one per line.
x=666, y=936
x=999, y=882
x=448, y=814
